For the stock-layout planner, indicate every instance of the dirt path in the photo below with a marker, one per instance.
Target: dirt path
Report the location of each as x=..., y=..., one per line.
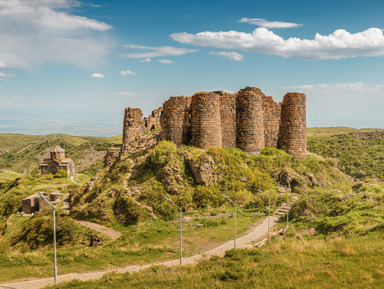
x=247, y=241
x=101, y=229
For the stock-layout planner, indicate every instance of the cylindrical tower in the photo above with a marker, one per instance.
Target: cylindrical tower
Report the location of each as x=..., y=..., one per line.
x=206, y=121
x=175, y=120
x=293, y=125
x=133, y=125
x=271, y=119
x=228, y=118
x=249, y=120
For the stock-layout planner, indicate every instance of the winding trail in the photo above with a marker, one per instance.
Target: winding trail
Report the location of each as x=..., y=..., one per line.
x=113, y=234
x=247, y=241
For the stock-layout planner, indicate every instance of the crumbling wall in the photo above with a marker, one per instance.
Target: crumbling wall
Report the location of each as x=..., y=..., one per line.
x=111, y=155
x=271, y=120
x=293, y=126
x=228, y=118
x=249, y=120
x=206, y=120
x=152, y=121
x=133, y=125
x=175, y=120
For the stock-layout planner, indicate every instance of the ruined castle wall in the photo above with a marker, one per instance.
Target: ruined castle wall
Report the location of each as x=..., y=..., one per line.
x=293, y=127
x=133, y=125
x=152, y=121
x=175, y=120
x=228, y=119
x=271, y=120
x=206, y=120
x=249, y=120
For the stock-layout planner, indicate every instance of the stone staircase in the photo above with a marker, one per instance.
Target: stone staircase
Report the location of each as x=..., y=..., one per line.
x=282, y=211
x=65, y=202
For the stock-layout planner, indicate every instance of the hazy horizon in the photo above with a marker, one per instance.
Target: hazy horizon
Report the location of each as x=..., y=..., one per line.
x=72, y=66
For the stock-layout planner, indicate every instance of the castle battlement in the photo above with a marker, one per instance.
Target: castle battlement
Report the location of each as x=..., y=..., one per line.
x=248, y=120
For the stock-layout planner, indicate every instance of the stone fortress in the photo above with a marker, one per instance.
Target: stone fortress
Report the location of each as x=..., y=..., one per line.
x=248, y=120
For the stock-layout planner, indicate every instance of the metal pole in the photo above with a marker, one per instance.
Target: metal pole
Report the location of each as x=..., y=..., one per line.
x=181, y=246
x=54, y=242
x=235, y=228
x=234, y=241
x=269, y=214
x=54, y=234
x=287, y=206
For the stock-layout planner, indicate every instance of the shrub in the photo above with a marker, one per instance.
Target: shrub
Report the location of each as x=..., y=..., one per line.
x=61, y=174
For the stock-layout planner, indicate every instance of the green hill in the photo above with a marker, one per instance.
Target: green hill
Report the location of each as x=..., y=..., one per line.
x=360, y=152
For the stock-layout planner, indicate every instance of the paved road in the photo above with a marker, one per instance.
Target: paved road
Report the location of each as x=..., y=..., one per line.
x=242, y=242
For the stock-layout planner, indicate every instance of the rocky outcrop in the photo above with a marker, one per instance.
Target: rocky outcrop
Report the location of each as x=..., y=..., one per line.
x=292, y=180
x=203, y=171
x=171, y=175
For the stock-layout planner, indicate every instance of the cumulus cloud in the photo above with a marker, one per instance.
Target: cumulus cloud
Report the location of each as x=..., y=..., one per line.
x=155, y=51
x=127, y=73
x=165, y=61
x=269, y=24
x=5, y=75
x=230, y=55
x=97, y=75
x=339, y=44
x=39, y=31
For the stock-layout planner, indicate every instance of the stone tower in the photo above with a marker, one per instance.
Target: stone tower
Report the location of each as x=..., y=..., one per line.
x=57, y=154
x=175, y=120
x=133, y=125
x=293, y=126
x=206, y=120
x=249, y=120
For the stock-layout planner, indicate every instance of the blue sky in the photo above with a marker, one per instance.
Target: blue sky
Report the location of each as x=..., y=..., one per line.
x=73, y=66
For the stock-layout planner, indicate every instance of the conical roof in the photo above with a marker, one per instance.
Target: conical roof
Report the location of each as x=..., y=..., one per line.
x=58, y=149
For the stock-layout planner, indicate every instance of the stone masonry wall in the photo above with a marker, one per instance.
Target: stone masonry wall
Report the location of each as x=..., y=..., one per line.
x=293, y=127
x=175, y=120
x=228, y=118
x=271, y=119
x=206, y=120
x=133, y=125
x=249, y=120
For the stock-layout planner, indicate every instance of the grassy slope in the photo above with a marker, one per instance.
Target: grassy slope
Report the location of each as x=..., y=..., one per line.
x=359, y=158
x=25, y=152
x=295, y=262
x=145, y=240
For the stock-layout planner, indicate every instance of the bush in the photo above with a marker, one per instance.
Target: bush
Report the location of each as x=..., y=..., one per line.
x=61, y=174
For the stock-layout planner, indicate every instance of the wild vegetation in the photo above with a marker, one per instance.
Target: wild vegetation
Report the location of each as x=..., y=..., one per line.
x=335, y=227
x=360, y=152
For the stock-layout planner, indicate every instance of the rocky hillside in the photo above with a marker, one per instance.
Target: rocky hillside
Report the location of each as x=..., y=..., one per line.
x=135, y=186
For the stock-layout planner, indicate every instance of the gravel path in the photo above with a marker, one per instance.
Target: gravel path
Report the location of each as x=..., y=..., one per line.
x=242, y=242
x=101, y=229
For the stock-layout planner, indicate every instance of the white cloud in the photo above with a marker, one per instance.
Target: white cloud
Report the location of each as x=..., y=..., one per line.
x=146, y=60
x=97, y=75
x=127, y=73
x=231, y=55
x=339, y=44
x=269, y=24
x=156, y=51
x=165, y=61
x=39, y=31
x=5, y=75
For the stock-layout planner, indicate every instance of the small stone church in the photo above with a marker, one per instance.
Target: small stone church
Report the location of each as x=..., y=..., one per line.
x=56, y=162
